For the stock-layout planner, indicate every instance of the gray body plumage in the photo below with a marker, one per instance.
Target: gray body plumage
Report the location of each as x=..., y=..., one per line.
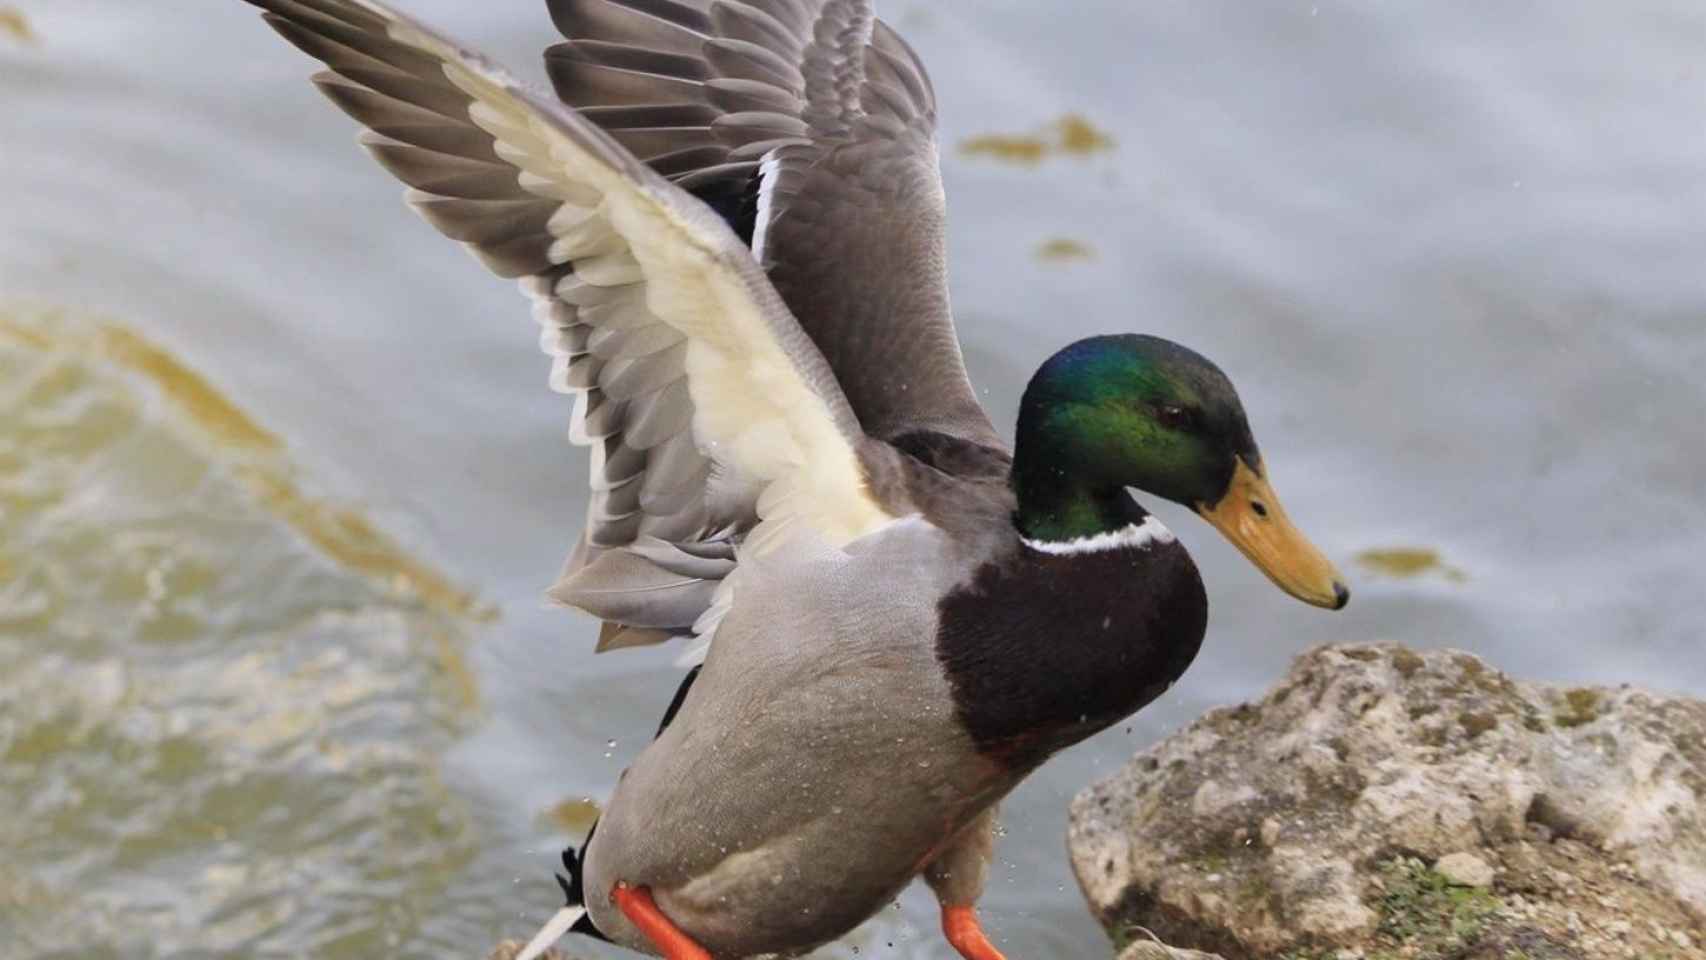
x=757, y=817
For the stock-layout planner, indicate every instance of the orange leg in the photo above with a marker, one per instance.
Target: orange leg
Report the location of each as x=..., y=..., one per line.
x=962, y=929
x=642, y=911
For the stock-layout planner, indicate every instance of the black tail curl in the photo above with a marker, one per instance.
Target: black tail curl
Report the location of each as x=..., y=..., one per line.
x=574, y=888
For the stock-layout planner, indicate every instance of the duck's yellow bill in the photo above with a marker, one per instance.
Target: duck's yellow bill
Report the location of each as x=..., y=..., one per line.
x=1251, y=517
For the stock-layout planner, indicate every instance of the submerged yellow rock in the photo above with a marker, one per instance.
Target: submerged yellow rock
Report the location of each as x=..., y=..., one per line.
x=1079, y=135
x=1406, y=562
x=1071, y=135
x=575, y=815
x=254, y=454
x=1064, y=248
x=219, y=688
x=1024, y=150
x=14, y=24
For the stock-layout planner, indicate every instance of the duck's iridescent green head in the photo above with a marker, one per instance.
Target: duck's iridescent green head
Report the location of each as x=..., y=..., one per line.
x=1108, y=413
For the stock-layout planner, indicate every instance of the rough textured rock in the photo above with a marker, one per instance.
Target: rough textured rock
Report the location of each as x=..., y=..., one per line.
x=1316, y=819
x=1151, y=950
x=510, y=948
x=1465, y=870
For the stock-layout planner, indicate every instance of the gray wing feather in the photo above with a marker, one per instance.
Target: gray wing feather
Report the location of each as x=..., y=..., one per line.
x=854, y=224
x=662, y=517
x=652, y=584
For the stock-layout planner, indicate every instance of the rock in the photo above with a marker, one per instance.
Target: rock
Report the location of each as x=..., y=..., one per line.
x=1151, y=950
x=1465, y=870
x=509, y=948
x=1389, y=801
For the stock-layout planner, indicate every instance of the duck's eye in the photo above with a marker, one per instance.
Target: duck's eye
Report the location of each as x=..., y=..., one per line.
x=1174, y=416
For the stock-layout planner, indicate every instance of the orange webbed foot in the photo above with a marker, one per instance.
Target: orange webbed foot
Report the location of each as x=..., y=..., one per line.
x=642, y=911
x=966, y=934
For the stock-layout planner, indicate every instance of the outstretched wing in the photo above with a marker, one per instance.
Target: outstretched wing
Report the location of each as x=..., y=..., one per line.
x=811, y=124
x=708, y=408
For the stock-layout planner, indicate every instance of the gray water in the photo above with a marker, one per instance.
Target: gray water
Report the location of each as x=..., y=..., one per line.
x=276, y=678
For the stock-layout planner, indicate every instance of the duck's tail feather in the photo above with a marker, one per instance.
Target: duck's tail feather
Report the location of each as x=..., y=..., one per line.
x=572, y=918
x=560, y=923
x=647, y=591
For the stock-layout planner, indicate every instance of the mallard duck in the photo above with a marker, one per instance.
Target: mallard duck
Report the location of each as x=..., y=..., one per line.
x=730, y=222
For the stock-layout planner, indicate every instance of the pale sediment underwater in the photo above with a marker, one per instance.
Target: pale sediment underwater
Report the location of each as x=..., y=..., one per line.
x=225, y=699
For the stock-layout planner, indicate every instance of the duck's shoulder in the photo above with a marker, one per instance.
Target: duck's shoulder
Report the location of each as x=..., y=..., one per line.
x=957, y=484
x=955, y=455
